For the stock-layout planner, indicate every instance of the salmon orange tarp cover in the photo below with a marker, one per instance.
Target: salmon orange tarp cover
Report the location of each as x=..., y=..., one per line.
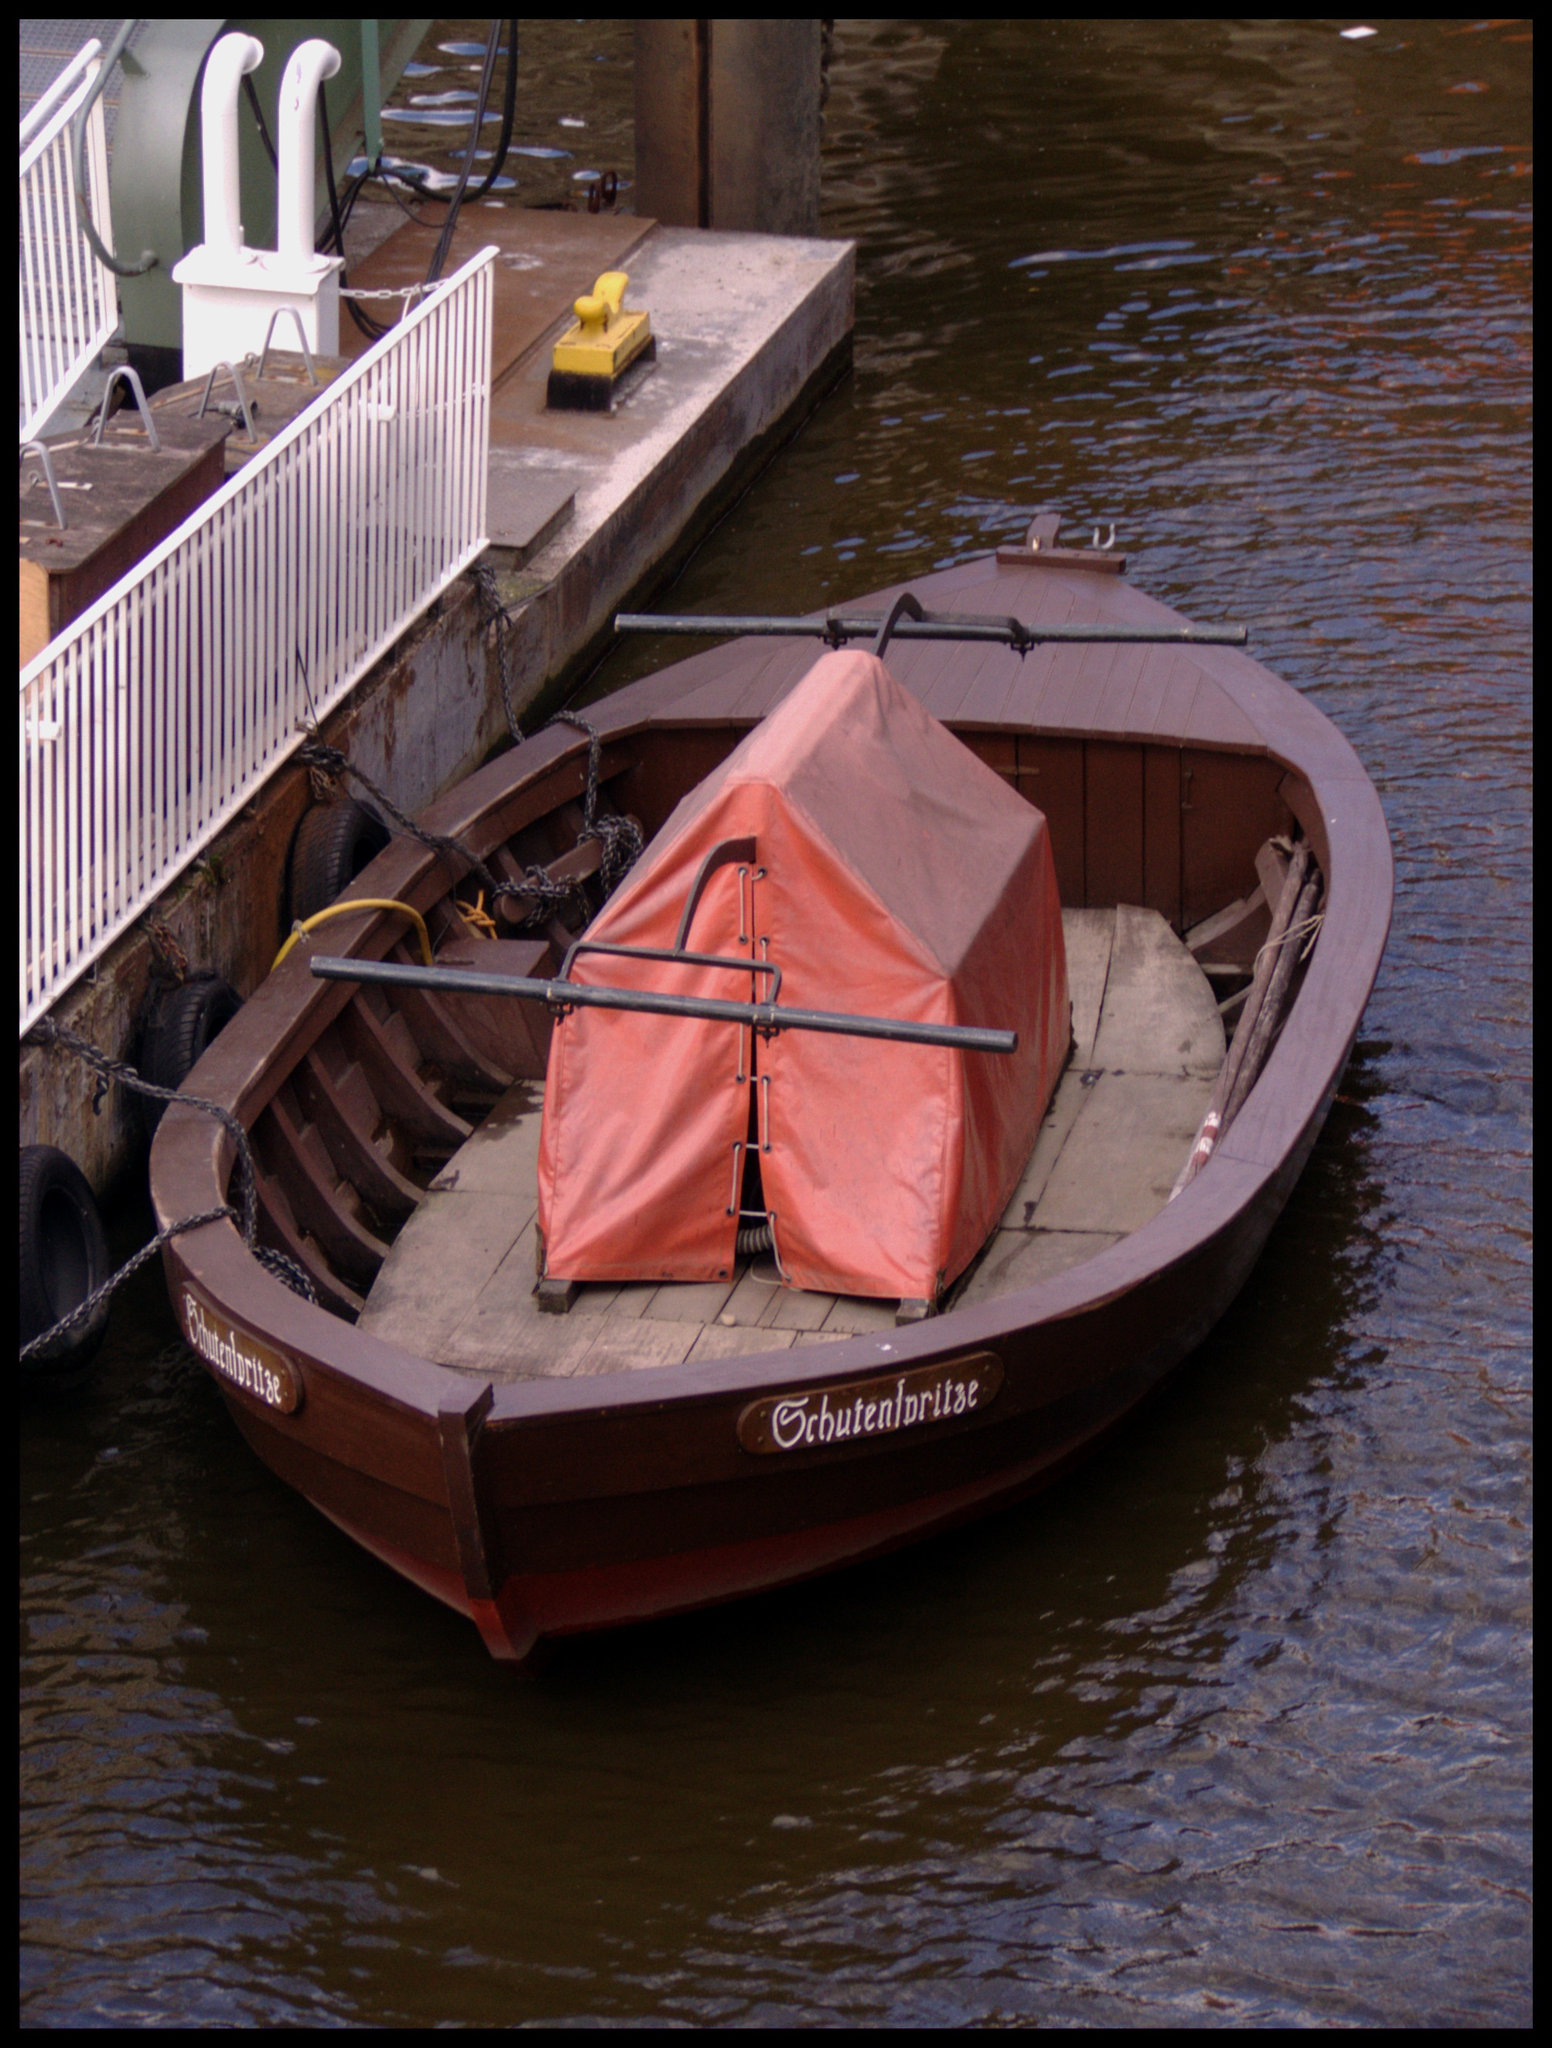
x=894, y=875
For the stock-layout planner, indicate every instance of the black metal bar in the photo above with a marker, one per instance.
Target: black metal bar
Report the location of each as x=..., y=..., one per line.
x=721, y=856
x=1013, y=633
x=905, y=606
x=737, y=962
x=576, y=995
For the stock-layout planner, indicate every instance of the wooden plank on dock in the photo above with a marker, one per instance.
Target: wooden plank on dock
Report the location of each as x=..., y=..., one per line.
x=547, y=261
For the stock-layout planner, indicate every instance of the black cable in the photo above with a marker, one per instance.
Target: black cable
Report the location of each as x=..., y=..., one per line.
x=508, y=118
x=338, y=217
x=366, y=323
x=445, y=238
x=252, y=92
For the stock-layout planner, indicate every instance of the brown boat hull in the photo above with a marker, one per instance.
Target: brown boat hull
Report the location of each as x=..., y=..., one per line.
x=547, y=1507
x=609, y=1542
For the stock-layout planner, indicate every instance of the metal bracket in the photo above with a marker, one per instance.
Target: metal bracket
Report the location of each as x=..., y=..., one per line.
x=40, y=449
x=720, y=856
x=673, y=954
x=235, y=374
x=307, y=354
x=905, y=606
x=137, y=390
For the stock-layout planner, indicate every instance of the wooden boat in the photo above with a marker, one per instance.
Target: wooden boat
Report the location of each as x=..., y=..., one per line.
x=664, y=1447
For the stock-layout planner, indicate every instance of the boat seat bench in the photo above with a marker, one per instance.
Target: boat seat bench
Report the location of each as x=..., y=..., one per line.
x=457, y=1284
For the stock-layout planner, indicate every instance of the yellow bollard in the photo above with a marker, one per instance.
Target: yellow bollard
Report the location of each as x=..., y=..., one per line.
x=592, y=356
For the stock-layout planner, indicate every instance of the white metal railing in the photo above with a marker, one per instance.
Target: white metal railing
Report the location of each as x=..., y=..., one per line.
x=69, y=302
x=156, y=715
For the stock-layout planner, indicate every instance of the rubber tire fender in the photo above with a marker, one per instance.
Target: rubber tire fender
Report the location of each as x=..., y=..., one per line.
x=64, y=1258
x=181, y=1023
x=333, y=843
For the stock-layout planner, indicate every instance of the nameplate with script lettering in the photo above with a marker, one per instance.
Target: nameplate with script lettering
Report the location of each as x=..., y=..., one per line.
x=952, y=1390
x=234, y=1355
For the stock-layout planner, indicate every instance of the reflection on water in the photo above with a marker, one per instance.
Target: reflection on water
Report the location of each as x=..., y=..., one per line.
x=1235, y=1724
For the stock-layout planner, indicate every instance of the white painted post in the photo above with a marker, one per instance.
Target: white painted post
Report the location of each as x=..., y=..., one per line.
x=225, y=68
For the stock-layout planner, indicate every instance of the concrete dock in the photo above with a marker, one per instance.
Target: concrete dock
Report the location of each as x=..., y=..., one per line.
x=587, y=512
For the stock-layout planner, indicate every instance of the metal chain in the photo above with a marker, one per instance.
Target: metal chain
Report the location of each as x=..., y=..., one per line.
x=620, y=837
x=545, y=893
x=497, y=617
x=84, y=1312
x=405, y=291
x=48, y=1032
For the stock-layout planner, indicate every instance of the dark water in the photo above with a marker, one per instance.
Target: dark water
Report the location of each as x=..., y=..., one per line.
x=1233, y=1727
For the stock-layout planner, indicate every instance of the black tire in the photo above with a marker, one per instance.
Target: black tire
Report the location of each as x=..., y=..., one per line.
x=181, y=1023
x=64, y=1258
x=333, y=843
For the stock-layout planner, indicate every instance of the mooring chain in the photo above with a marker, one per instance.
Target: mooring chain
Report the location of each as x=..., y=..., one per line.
x=536, y=884
x=498, y=618
x=84, y=1311
x=619, y=837
x=47, y=1032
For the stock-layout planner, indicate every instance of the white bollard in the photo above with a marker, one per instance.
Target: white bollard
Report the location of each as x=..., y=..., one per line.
x=231, y=292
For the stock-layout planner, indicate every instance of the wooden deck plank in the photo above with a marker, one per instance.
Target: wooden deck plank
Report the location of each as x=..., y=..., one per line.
x=596, y=1300
x=1088, y=935
x=507, y=1297
x=1021, y=1258
x=502, y=1157
x=438, y=1264
x=523, y=1348
x=700, y=1301
x=719, y=1340
x=794, y=1309
x=1159, y=1015
x=985, y=700
x=854, y=1314
x=632, y=1347
x=1126, y=1148
x=753, y=1297
x=630, y=1301
x=555, y=259
x=458, y=1283
x=1055, y=1129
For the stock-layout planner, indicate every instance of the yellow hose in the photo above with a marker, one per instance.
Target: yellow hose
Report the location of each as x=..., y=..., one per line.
x=344, y=910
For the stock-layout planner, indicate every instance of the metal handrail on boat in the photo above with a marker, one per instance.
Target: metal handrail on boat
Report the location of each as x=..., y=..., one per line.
x=567, y=995
x=836, y=629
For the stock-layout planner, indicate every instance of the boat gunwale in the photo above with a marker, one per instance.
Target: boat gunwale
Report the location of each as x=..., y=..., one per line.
x=1278, y=1121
